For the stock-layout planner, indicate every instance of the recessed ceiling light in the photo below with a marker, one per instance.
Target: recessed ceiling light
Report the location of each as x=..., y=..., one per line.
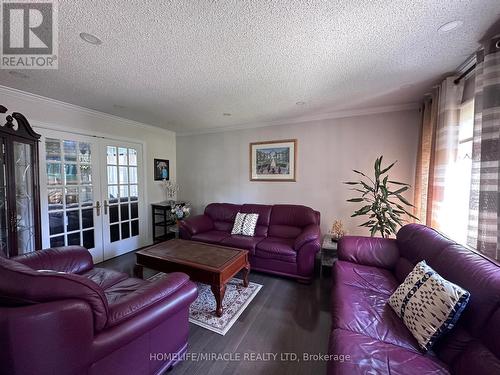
x=450, y=26
x=18, y=74
x=300, y=103
x=226, y=114
x=89, y=38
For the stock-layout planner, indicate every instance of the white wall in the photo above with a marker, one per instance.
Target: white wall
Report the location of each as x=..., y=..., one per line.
x=214, y=167
x=47, y=113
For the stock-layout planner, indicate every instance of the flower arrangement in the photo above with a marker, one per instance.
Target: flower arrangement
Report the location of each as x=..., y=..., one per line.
x=171, y=189
x=180, y=211
x=337, y=231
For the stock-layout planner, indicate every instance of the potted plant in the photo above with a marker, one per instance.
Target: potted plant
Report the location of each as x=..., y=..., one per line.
x=383, y=203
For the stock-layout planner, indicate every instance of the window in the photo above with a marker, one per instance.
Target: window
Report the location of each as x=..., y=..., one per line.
x=458, y=179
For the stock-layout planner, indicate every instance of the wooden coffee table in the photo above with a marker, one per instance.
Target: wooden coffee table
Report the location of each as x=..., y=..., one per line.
x=209, y=264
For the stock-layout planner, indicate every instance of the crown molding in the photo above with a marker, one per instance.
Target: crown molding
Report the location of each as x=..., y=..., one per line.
x=309, y=118
x=19, y=94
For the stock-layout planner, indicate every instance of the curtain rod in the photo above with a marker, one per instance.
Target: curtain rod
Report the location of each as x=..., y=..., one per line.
x=464, y=74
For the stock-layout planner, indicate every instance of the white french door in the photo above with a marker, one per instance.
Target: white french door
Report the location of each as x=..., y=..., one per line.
x=91, y=194
x=123, y=197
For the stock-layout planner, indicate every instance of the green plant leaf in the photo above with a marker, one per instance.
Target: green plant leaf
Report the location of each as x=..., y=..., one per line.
x=399, y=191
x=355, y=200
x=388, y=168
x=352, y=183
x=403, y=199
x=367, y=223
x=377, y=166
x=367, y=187
x=384, y=181
x=398, y=183
x=361, y=173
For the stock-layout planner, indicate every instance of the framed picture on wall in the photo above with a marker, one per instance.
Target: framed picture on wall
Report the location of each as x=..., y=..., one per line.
x=273, y=160
x=162, y=169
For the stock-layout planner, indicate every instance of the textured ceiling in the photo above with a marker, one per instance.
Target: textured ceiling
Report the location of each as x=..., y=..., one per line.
x=182, y=64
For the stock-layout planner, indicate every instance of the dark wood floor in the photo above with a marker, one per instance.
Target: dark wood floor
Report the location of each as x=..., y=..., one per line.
x=284, y=317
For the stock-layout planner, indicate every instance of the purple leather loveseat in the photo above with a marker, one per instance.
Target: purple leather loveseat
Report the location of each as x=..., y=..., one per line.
x=77, y=319
x=287, y=237
x=366, y=328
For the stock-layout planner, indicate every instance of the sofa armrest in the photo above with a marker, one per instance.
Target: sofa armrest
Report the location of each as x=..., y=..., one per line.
x=309, y=234
x=69, y=259
x=146, y=296
x=196, y=224
x=55, y=337
x=369, y=251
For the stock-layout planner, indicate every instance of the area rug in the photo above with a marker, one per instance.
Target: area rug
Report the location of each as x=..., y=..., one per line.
x=236, y=300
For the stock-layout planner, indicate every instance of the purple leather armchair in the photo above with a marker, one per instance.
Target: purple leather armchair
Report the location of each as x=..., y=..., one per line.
x=287, y=237
x=60, y=315
x=366, y=328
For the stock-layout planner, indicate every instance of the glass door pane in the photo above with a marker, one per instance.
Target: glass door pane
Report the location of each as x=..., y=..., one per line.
x=25, y=209
x=122, y=230
x=71, y=195
x=122, y=186
x=4, y=227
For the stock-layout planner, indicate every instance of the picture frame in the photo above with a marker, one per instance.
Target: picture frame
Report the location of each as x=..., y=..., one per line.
x=273, y=160
x=161, y=169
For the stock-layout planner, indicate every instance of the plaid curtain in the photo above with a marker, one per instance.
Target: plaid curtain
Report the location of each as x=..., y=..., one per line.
x=438, y=151
x=483, y=231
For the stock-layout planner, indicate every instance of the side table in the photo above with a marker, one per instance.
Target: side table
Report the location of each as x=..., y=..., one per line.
x=328, y=254
x=163, y=219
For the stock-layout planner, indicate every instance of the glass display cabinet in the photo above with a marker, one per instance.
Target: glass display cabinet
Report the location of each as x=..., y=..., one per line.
x=19, y=186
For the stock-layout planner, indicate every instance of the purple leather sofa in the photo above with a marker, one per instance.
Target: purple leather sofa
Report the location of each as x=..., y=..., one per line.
x=287, y=237
x=366, y=328
x=78, y=319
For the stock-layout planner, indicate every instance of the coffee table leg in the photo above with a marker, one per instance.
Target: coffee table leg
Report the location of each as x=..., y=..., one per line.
x=219, y=292
x=246, y=272
x=138, y=271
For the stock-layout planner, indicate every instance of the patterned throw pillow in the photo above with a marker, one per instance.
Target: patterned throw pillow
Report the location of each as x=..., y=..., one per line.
x=428, y=304
x=245, y=224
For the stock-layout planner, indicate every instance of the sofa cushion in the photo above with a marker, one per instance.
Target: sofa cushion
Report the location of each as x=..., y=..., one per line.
x=104, y=277
x=222, y=215
x=287, y=221
x=371, y=356
x=429, y=305
x=242, y=242
x=133, y=296
x=264, y=212
x=367, y=312
x=376, y=279
x=276, y=248
x=213, y=236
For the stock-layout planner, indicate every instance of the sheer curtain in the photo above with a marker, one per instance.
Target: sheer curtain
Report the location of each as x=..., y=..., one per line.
x=437, y=157
x=483, y=231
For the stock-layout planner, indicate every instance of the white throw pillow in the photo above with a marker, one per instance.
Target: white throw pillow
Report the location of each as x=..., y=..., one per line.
x=245, y=224
x=428, y=304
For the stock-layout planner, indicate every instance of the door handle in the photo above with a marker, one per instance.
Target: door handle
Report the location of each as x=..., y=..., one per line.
x=106, y=205
x=98, y=208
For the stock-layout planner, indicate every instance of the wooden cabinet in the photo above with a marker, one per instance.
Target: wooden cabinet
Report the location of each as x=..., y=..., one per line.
x=19, y=186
